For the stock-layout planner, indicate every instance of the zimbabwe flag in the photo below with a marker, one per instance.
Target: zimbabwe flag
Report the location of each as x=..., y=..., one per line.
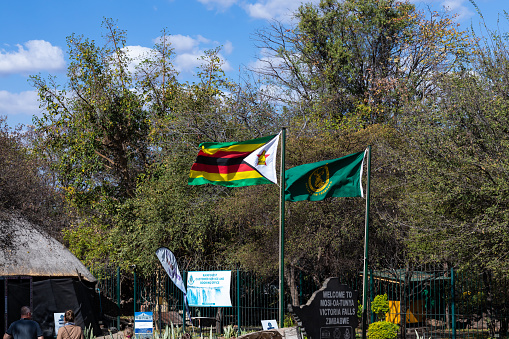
x=225, y=163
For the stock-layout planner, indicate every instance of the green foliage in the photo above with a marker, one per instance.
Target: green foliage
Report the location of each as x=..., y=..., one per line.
x=382, y=330
x=88, y=332
x=229, y=332
x=289, y=321
x=169, y=332
x=166, y=212
x=26, y=185
x=380, y=306
x=417, y=336
x=354, y=63
x=457, y=158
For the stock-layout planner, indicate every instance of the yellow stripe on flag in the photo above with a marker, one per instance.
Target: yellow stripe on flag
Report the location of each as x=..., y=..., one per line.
x=233, y=148
x=226, y=176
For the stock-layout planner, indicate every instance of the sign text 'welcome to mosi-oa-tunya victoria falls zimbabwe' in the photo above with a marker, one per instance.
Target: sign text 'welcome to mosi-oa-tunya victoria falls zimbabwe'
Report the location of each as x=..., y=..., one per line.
x=330, y=313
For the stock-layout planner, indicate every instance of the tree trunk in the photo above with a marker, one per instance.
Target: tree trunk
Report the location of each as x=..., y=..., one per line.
x=219, y=317
x=292, y=284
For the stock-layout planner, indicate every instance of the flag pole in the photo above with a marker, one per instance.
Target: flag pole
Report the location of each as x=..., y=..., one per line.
x=366, y=239
x=282, y=229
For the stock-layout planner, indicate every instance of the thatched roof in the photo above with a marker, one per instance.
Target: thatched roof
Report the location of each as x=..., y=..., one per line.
x=27, y=251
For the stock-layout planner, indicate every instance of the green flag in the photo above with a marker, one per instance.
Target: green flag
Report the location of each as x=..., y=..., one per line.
x=330, y=178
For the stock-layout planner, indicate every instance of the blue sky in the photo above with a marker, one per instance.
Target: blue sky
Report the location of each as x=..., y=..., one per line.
x=33, y=34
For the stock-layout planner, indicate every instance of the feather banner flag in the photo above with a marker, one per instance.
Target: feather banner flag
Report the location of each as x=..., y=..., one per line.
x=236, y=164
x=169, y=262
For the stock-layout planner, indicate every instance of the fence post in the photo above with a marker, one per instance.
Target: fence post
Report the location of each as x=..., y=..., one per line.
x=134, y=297
x=453, y=297
x=184, y=305
x=118, y=298
x=371, y=294
x=238, y=300
x=301, y=282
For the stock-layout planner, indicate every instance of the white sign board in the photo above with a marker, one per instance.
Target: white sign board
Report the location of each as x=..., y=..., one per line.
x=59, y=321
x=143, y=324
x=269, y=325
x=209, y=288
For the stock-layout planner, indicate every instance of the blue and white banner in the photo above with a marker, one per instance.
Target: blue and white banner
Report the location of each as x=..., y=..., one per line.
x=143, y=323
x=209, y=288
x=169, y=263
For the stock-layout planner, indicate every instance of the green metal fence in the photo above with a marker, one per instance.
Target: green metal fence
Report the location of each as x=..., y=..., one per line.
x=444, y=303
x=434, y=302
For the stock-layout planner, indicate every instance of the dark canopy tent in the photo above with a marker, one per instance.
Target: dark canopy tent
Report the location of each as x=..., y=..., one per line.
x=38, y=271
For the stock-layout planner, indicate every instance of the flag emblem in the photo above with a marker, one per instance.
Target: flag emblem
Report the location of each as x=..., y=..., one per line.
x=318, y=180
x=262, y=158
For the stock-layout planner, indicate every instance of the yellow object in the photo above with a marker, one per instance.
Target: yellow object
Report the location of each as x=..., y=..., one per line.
x=414, y=312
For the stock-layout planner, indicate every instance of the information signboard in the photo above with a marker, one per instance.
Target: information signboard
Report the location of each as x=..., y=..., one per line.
x=59, y=321
x=143, y=324
x=209, y=288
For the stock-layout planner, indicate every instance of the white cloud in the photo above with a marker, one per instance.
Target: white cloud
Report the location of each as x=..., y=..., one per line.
x=188, y=51
x=187, y=62
x=281, y=10
x=185, y=43
x=459, y=7
x=23, y=103
x=137, y=54
x=218, y=4
x=228, y=47
x=33, y=56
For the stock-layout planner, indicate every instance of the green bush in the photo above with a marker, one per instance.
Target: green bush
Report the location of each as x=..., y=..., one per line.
x=382, y=330
x=380, y=306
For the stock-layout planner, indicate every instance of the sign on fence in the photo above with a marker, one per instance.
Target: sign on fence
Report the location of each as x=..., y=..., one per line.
x=209, y=288
x=143, y=324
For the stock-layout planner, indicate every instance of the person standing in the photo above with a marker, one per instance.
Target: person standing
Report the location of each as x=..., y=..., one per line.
x=128, y=332
x=25, y=328
x=69, y=330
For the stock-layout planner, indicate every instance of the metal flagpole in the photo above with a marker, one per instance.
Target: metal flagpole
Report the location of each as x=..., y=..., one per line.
x=282, y=229
x=366, y=240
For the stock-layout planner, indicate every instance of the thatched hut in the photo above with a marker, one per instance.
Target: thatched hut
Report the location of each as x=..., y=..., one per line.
x=37, y=270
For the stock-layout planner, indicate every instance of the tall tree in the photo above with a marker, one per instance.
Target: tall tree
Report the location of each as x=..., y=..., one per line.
x=95, y=130
x=94, y=133
x=354, y=62
x=27, y=188
x=458, y=163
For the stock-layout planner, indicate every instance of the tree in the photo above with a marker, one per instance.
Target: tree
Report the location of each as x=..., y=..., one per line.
x=457, y=160
x=95, y=132
x=26, y=186
x=165, y=212
x=111, y=133
x=323, y=238
x=355, y=62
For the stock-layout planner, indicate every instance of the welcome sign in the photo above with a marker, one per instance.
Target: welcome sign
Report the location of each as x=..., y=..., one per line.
x=209, y=288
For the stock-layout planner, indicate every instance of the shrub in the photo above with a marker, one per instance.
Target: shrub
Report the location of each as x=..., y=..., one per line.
x=380, y=306
x=382, y=330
